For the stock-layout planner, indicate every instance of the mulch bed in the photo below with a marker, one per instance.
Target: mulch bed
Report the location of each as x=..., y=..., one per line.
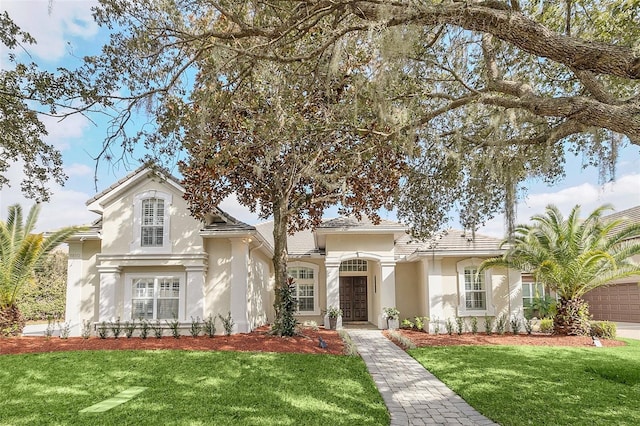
x=536, y=339
x=261, y=341
x=257, y=341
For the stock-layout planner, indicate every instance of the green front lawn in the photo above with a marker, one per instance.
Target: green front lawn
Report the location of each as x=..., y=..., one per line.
x=535, y=385
x=189, y=388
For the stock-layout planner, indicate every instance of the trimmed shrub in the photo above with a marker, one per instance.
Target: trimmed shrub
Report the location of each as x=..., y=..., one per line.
x=604, y=329
x=449, y=326
x=501, y=324
x=474, y=325
x=407, y=324
x=546, y=325
x=488, y=325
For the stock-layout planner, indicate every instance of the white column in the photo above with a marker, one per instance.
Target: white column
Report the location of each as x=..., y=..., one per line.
x=109, y=280
x=387, y=289
x=239, y=284
x=195, y=292
x=436, y=303
x=332, y=288
x=74, y=289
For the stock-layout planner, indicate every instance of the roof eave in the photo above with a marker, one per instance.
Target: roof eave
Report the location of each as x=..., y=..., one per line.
x=249, y=233
x=453, y=253
x=85, y=236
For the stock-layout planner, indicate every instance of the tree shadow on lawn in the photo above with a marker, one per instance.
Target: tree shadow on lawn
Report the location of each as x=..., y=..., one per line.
x=542, y=385
x=189, y=388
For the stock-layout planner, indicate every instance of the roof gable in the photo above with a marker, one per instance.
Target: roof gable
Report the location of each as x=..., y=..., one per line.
x=97, y=202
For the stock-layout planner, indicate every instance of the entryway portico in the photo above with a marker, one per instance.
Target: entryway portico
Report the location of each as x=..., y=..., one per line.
x=361, y=284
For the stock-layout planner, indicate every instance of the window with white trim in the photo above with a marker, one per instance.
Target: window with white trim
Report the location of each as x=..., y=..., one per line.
x=155, y=297
x=306, y=287
x=151, y=222
x=474, y=289
x=530, y=292
x=353, y=265
x=152, y=227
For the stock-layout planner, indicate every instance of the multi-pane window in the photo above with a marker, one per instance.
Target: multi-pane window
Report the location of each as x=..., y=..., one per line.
x=530, y=292
x=475, y=289
x=152, y=226
x=155, y=298
x=354, y=265
x=305, y=288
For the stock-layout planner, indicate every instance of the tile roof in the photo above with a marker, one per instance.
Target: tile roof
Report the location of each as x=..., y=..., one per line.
x=629, y=216
x=352, y=222
x=451, y=240
x=299, y=244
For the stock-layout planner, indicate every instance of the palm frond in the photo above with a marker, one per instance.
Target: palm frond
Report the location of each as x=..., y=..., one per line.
x=32, y=219
x=21, y=251
x=14, y=224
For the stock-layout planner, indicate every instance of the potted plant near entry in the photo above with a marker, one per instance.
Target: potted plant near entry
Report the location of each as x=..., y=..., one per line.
x=333, y=313
x=393, y=317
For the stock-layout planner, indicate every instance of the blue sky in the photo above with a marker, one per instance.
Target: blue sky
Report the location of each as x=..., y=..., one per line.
x=68, y=33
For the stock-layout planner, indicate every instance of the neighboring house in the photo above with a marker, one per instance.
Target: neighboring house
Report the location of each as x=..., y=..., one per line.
x=620, y=301
x=146, y=257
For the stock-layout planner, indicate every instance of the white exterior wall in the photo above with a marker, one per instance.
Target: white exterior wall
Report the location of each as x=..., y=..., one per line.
x=259, y=294
x=118, y=232
x=82, y=284
x=408, y=290
x=378, y=249
x=217, y=293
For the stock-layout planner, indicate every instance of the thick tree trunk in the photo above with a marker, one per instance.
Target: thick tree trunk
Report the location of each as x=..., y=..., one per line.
x=12, y=321
x=280, y=258
x=572, y=318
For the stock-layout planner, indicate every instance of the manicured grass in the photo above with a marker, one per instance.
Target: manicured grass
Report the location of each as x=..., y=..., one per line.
x=535, y=385
x=189, y=388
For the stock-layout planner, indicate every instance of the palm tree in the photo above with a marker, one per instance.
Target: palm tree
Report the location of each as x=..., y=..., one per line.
x=572, y=257
x=21, y=252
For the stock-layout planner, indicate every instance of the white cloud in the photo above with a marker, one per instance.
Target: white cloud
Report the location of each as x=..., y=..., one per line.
x=61, y=131
x=52, y=31
x=624, y=193
x=66, y=207
x=231, y=206
x=77, y=169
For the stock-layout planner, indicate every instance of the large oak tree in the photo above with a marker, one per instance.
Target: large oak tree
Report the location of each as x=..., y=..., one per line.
x=271, y=144
x=490, y=93
x=479, y=95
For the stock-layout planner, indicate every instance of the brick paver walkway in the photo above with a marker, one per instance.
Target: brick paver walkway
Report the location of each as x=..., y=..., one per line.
x=413, y=395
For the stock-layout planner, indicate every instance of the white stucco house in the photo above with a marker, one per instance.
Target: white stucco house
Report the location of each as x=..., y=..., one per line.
x=146, y=257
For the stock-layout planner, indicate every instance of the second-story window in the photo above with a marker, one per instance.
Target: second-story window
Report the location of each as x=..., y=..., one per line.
x=152, y=227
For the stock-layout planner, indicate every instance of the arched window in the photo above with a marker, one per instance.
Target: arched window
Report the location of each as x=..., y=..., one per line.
x=353, y=265
x=152, y=227
x=151, y=222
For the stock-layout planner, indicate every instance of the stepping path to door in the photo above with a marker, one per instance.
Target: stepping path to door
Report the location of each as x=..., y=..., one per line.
x=413, y=395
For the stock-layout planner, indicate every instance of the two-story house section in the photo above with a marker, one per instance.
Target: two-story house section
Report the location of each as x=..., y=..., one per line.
x=145, y=257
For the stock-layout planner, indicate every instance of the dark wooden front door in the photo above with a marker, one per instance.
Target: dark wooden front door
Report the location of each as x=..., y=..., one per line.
x=353, y=298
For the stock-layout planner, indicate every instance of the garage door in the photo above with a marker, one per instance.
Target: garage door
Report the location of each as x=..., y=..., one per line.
x=620, y=302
